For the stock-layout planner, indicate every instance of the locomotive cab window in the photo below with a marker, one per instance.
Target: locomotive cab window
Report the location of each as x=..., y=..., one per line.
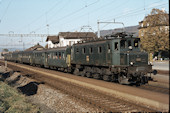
x=129, y=44
x=108, y=48
x=116, y=46
x=123, y=43
x=136, y=43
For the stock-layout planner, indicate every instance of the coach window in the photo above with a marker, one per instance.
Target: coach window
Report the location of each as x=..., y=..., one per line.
x=50, y=55
x=59, y=55
x=116, y=45
x=84, y=50
x=56, y=55
x=63, y=56
x=99, y=49
x=108, y=46
x=91, y=50
x=77, y=50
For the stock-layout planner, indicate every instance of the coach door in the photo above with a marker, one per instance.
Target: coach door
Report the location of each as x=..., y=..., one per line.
x=46, y=59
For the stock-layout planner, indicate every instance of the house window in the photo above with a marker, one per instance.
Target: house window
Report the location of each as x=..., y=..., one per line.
x=71, y=43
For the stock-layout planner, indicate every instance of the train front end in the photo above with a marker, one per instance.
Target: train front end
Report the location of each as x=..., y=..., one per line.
x=133, y=65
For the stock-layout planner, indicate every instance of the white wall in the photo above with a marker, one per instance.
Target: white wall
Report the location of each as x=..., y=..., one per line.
x=50, y=44
x=63, y=42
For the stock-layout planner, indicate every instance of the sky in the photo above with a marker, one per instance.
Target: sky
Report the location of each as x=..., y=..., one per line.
x=54, y=16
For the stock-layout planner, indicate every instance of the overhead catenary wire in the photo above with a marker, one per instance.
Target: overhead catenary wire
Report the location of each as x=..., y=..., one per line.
x=43, y=14
x=97, y=9
x=68, y=15
x=5, y=12
x=95, y=23
x=131, y=13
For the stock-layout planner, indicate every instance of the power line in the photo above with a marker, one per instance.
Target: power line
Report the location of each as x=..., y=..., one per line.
x=97, y=9
x=138, y=11
x=70, y=14
x=132, y=12
x=5, y=12
x=44, y=14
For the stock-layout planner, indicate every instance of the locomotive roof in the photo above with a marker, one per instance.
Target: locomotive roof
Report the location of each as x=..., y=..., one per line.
x=53, y=49
x=102, y=40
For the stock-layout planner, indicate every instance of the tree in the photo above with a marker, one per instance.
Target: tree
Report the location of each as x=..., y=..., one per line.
x=5, y=50
x=155, y=32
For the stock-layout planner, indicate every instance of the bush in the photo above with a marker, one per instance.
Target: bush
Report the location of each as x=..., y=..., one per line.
x=13, y=102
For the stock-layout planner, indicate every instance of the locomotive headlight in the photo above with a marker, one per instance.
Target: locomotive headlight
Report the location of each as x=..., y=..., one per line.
x=131, y=63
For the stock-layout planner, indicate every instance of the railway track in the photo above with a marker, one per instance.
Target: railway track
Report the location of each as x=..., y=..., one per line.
x=155, y=88
x=107, y=103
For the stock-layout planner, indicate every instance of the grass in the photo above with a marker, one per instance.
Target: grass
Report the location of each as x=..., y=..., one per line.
x=13, y=102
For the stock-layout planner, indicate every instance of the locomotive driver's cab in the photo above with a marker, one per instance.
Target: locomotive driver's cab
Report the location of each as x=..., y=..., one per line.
x=129, y=44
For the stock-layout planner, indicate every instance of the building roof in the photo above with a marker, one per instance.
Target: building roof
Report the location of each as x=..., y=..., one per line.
x=77, y=35
x=71, y=35
x=54, y=39
x=36, y=47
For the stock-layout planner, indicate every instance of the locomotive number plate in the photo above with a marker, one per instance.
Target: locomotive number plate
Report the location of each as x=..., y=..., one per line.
x=138, y=59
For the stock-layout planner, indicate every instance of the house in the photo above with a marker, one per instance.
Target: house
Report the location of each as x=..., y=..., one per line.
x=147, y=22
x=36, y=47
x=68, y=38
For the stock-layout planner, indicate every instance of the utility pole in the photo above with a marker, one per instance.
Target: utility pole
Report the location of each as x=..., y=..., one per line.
x=108, y=23
x=89, y=28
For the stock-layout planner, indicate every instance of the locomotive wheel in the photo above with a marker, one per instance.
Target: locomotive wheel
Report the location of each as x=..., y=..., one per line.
x=120, y=78
x=88, y=74
x=76, y=72
x=106, y=77
x=96, y=76
x=83, y=73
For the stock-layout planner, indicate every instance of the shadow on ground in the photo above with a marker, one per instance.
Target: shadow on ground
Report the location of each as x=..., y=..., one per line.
x=30, y=88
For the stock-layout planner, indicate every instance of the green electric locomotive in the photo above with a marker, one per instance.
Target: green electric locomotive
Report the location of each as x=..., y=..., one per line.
x=115, y=58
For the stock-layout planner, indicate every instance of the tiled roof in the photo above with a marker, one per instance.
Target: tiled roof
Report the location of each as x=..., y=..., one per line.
x=36, y=47
x=54, y=39
x=77, y=35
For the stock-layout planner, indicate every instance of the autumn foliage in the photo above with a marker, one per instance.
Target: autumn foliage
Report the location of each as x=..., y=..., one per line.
x=155, y=31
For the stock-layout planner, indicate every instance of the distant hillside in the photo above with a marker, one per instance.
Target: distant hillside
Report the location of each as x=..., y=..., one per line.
x=10, y=49
x=130, y=29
